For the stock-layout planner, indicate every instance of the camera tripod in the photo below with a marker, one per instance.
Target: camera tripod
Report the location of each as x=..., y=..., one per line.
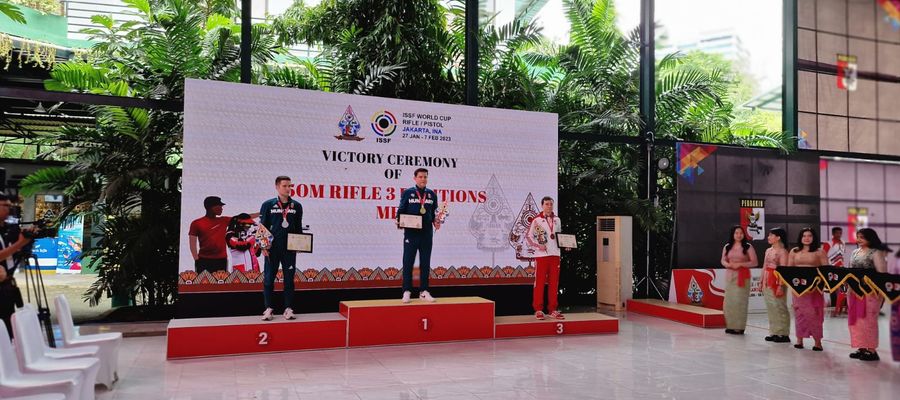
x=34, y=279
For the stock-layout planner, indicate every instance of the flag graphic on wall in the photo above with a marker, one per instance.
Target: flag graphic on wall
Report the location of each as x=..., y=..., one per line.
x=892, y=12
x=846, y=72
x=688, y=158
x=753, y=218
x=857, y=218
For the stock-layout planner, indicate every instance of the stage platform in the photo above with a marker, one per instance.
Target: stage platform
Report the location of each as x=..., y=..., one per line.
x=206, y=337
x=574, y=324
x=370, y=323
x=380, y=322
x=686, y=314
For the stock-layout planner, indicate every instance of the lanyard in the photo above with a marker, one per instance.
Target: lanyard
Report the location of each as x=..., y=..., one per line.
x=550, y=221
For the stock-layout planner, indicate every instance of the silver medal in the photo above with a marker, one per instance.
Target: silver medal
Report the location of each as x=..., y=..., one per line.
x=285, y=224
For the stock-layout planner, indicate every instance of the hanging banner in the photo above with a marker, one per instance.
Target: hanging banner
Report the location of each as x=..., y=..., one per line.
x=753, y=218
x=69, y=246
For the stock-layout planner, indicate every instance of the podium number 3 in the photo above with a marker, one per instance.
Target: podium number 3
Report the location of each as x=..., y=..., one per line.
x=559, y=328
x=263, y=338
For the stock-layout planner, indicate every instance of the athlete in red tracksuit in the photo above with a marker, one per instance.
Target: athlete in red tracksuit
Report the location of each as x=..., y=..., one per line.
x=542, y=237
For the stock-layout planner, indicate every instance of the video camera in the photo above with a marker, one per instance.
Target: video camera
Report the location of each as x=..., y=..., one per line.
x=39, y=229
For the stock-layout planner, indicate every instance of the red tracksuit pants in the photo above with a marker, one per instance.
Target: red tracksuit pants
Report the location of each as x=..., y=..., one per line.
x=546, y=271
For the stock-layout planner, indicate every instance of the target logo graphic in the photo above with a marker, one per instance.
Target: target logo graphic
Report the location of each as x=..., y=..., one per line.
x=384, y=123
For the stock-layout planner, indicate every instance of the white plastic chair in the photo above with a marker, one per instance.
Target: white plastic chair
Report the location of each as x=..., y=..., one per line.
x=107, y=342
x=48, y=396
x=74, y=352
x=30, y=352
x=14, y=383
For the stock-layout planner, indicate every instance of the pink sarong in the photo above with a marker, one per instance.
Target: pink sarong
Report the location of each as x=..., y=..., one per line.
x=809, y=314
x=862, y=319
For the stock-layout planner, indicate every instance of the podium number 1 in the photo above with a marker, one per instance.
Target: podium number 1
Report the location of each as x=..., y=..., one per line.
x=263, y=338
x=424, y=324
x=559, y=328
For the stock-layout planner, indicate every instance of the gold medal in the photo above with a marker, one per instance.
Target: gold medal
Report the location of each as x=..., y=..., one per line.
x=422, y=210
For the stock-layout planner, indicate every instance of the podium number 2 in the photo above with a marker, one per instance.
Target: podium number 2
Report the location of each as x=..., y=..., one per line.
x=559, y=328
x=424, y=324
x=263, y=338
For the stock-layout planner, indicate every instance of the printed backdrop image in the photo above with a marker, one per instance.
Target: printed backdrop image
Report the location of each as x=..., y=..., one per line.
x=349, y=158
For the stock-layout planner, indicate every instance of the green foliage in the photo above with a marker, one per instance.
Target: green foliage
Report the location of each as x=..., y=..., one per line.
x=11, y=11
x=125, y=171
x=366, y=43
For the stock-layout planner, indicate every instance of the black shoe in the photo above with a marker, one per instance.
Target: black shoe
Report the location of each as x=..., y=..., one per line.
x=868, y=356
x=856, y=354
x=817, y=348
x=782, y=339
x=731, y=331
x=739, y=332
x=771, y=338
x=798, y=346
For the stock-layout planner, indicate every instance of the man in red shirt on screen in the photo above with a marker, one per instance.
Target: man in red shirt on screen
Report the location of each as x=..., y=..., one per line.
x=209, y=232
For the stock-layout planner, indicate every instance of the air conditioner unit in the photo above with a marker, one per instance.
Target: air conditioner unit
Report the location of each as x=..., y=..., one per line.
x=614, y=262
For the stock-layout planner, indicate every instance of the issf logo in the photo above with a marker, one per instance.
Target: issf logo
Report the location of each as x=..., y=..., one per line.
x=384, y=123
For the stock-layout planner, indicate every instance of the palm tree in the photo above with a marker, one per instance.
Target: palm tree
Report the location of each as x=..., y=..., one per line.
x=126, y=170
x=595, y=90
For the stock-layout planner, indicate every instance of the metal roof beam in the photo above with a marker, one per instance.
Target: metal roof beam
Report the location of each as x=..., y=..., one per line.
x=89, y=99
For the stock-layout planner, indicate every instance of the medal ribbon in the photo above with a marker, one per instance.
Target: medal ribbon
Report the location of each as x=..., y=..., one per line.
x=550, y=221
x=285, y=210
x=421, y=198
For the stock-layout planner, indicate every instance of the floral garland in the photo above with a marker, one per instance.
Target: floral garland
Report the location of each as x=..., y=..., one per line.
x=30, y=52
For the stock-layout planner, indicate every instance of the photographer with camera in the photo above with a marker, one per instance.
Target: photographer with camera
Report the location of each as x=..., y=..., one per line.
x=12, y=240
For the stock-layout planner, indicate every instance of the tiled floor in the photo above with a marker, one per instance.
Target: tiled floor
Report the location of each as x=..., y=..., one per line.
x=648, y=359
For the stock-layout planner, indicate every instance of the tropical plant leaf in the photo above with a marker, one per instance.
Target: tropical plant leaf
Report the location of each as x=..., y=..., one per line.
x=12, y=12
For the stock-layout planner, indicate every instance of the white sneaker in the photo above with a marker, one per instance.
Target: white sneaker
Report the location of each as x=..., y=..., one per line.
x=406, y=295
x=288, y=313
x=267, y=315
x=426, y=296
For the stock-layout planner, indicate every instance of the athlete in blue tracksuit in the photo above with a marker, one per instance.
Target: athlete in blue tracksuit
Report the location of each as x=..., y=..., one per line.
x=418, y=200
x=281, y=215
